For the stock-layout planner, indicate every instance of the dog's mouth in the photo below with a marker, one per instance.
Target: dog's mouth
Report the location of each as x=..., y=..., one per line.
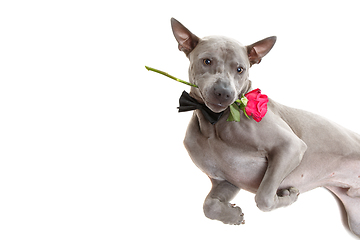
x=215, y=107
x=219, y=107
x=212, y=104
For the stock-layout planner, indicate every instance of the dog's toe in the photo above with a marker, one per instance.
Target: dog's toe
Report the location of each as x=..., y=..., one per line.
x=283, y=193
x=294, y=191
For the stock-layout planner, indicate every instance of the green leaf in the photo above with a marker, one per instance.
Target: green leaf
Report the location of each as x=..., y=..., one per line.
x=230, y=118
x=234, y=113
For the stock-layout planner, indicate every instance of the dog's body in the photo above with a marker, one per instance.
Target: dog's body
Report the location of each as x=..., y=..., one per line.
x=289, y=152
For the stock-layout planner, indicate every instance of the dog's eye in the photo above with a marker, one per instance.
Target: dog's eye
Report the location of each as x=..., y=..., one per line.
x=240, y=70
x=207, y=61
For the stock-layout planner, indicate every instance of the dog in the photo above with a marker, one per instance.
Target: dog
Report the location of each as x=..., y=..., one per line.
x=287, y=153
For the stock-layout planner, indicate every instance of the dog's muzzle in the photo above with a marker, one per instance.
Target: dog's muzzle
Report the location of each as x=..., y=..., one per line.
x=222, y=94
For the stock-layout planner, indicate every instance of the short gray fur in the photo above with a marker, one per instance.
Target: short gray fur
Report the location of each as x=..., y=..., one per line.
x=289, y=152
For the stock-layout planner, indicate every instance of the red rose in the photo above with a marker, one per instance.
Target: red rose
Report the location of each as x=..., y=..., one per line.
x=257, y=104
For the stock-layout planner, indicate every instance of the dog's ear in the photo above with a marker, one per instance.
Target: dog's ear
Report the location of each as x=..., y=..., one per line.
x=259, y=49
x=187, y=40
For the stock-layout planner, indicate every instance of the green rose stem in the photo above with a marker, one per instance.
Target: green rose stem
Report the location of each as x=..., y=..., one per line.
x=168, y=75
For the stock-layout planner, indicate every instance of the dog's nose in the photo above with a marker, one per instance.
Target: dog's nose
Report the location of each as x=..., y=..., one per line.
x=223, y=92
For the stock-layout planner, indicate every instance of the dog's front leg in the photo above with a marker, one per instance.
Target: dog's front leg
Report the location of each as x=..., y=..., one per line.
x=217, y=206
x=282, y=160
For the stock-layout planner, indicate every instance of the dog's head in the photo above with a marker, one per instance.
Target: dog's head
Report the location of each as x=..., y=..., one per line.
x=219, y=65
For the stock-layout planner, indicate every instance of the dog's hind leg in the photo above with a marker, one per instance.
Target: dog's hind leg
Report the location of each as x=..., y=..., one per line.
x=352, y=207
x=217, y=206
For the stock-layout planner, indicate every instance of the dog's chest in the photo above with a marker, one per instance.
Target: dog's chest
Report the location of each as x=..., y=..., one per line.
x=221, y=157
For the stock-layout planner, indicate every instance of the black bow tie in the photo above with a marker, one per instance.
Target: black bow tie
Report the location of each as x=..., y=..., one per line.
x=187, y=103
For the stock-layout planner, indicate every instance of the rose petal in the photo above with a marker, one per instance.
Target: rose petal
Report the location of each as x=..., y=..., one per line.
x=257, y=104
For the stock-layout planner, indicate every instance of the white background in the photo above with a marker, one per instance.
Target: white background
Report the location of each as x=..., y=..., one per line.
x=91, y=142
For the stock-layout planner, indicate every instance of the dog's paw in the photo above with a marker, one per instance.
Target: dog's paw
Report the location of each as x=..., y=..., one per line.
x=287, y=196
x=283, y=198
x=353, y=192
x=225, y=212
x=235, y=216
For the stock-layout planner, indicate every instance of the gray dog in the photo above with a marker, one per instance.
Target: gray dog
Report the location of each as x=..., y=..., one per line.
x=289, y=152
